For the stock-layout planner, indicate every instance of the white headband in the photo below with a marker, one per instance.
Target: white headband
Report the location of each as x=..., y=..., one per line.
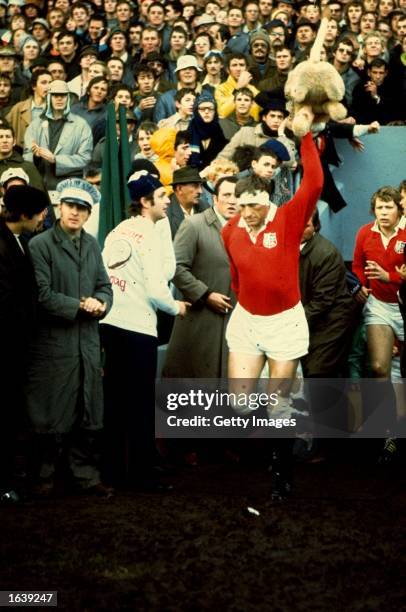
x=260, y=198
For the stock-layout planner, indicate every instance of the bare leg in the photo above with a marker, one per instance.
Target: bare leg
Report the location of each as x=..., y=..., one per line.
x=380, y=340
x=379, y=399
x=281, y=377
x=243, y=374
x=245, y=366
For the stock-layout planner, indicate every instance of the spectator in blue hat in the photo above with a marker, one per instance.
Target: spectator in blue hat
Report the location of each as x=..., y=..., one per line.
x=271, y=163
x=139, y=274
x=206, y=136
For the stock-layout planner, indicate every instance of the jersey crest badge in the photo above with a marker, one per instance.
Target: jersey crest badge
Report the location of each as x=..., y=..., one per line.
x=270, y=240
x=399, y=246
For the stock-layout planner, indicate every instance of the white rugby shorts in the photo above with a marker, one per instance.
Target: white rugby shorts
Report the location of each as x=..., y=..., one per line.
x=283, y=336
x=377, y=312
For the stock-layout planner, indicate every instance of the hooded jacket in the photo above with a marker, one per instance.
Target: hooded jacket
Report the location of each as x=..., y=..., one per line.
x=73, y=150
x=163, y=144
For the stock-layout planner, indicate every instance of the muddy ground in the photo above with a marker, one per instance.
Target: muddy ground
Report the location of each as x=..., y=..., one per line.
x=339, y=544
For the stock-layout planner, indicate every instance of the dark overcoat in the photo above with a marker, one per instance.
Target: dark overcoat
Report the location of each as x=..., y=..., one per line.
x=18, y=307
x=197, y=348
x=64, y=358
x=328, y=306
x=18, y=302
x=18, y=296
x=176, y=215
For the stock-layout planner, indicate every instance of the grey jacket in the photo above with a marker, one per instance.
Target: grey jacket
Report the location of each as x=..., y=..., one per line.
x=64, y=361
x=197, y=347
x=73, y=151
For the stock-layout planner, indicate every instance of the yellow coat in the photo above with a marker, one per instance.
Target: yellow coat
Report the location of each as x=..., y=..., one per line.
x=225, y=99
x=163, y=144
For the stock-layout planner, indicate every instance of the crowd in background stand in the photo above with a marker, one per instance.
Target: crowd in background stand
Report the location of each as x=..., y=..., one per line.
x=202, y=84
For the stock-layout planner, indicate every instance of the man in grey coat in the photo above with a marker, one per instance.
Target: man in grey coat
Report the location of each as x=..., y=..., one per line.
x=197, y=348
x=64, y=386
x=58, y=142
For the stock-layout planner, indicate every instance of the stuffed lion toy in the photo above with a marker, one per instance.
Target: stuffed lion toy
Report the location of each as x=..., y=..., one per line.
x=316, y=84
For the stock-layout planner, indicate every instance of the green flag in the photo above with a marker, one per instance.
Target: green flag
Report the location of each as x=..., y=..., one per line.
x=116, y=165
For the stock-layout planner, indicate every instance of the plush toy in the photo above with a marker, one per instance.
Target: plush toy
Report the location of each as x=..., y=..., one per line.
x=317, y=84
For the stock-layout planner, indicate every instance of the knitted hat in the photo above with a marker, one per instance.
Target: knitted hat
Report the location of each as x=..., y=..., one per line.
x=268, y=103
x=28, y=39
x=143, y=164
x=142, y=184
x=42, y=22
x=205, y=96
x=260, y=35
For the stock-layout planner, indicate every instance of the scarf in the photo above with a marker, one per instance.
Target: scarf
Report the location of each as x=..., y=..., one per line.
x=200, y=130
x=267, y=130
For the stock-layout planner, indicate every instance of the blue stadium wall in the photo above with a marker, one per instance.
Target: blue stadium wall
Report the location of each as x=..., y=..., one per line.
x=383, y=162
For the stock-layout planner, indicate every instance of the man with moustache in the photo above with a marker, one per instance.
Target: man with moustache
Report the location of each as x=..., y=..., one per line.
x=203, y=277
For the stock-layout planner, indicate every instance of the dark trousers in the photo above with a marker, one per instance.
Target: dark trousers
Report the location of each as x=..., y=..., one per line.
x=129, y=392
x=70, y=456
x=329, y=405
x=11, y=416
x=73, y=456
x=8, y=431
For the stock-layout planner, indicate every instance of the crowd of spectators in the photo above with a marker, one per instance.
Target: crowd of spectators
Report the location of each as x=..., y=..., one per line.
x=203, y=88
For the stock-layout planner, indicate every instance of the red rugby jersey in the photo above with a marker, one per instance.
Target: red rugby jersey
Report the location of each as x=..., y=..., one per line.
x=265, y=275
x=369, y=246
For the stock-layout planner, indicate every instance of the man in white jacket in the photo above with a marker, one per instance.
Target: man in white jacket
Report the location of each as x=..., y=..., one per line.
x=139, y=270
